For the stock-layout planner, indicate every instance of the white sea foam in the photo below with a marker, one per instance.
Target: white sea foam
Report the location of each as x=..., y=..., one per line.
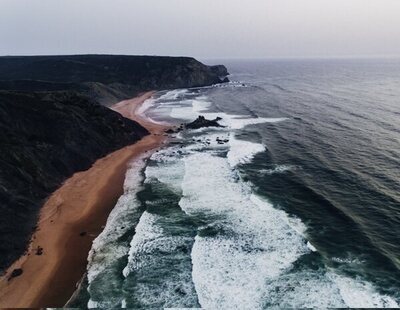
x=200, y=104
x=311, y=247
x=348, y=260
x=279, y=169
x=147, y=104
x=294, y=222
x=173, y=95
x=105, y=248
x=246, y=261
x=185, y=113
x=189, y=109
x=169, y=175
x=242, y=151
x=304, y=288
x=93, y=304
x=239, y=122
x=154, y=282
x=146, y=232
x=158, y=271
x=229, y=270
x=231, y=84
x=361, y=294
x=161, y=272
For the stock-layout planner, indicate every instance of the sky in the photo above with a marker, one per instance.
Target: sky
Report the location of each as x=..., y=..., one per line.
x=202, y=28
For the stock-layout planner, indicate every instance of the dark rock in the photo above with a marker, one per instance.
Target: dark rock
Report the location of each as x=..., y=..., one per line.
x=172, y=131
x=15, y=273
x=180, y=291
x=220, y=70
x=201, y=122
x=39, y=250
x=83, y=233
x=221, y=141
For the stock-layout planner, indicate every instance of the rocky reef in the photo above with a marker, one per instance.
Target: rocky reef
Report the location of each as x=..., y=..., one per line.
x=53, y=123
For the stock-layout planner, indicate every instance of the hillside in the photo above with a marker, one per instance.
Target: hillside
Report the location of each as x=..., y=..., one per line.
x=52, y=124
x=106, y=78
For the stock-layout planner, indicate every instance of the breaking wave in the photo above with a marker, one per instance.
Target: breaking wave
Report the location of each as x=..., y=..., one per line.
x=206, y=238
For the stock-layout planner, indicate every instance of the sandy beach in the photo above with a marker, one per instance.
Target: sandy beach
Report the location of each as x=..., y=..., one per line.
x=69, y=221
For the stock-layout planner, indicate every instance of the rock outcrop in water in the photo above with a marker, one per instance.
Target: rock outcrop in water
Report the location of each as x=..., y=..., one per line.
x=199, y=122
x=202, y=122
x=52, y=123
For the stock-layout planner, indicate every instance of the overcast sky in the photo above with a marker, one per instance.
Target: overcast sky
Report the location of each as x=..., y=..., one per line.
x=202, y=28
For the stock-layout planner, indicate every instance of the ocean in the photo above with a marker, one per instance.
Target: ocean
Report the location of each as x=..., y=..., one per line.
x=294, y=203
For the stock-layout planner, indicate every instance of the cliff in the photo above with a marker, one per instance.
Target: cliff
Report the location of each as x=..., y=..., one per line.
x=45, y=138
x=106, y=78
x=52, y=124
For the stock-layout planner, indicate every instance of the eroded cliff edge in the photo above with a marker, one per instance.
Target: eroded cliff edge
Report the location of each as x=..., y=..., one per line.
x=52, y=123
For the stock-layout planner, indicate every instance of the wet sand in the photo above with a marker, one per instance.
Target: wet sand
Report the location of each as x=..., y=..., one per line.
x=71, y=218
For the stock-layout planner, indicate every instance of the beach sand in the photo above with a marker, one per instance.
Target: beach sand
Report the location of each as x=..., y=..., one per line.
x=71, y=218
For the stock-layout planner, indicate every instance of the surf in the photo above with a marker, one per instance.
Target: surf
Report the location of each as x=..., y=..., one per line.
x=207, y=239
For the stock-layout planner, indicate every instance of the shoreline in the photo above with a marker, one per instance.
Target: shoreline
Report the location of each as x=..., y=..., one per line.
x=72, y=217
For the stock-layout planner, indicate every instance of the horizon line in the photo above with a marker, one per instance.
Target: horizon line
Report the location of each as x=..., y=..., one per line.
x=267, y=57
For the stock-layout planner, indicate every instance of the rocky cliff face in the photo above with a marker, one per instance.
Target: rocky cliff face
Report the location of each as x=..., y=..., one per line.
x=52, y=123
x=45, y=138
x=107, y=78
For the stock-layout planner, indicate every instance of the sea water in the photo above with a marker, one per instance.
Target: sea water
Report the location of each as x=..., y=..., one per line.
x=299, y=207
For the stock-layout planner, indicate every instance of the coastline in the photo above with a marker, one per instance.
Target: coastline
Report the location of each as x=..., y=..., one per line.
x=71, y=219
